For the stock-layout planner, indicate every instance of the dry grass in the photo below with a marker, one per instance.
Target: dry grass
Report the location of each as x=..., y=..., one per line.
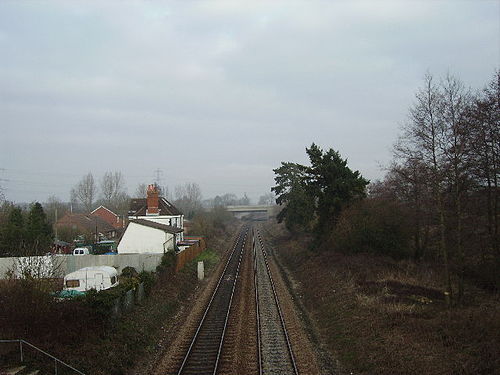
x=380, y=316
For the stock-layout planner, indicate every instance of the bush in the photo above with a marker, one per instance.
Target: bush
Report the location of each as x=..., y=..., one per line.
x=373, y=226
x=485, y=274
x=130, y=272
x=209, y=257
x=148, y=278
x=102, y=301
x=167, y=262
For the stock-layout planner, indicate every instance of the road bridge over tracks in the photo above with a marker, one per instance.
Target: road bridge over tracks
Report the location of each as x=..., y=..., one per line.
x=240, y=211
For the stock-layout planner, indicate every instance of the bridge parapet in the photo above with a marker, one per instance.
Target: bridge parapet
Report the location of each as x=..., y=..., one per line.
x=255, y=208
x=239, y=210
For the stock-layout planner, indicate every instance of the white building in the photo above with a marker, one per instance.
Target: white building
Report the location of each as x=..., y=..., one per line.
x=145, y=236
x=157, y=209
x=155, y=225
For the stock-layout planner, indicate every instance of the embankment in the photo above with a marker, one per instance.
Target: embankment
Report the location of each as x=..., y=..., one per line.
x=380, y=316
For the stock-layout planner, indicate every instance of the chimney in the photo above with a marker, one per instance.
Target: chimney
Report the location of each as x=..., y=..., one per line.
x=152, y=199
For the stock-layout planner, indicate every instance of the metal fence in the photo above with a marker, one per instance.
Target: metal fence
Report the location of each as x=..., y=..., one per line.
x=57, y=361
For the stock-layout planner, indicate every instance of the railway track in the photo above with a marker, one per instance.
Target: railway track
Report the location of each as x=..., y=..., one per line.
x=204, y=353
x=213, y=346
x=275, y=351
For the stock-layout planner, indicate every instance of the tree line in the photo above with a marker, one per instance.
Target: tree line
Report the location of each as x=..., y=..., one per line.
x=27, y=229
x=445, y=173
x=24, y=232
x=438, y=202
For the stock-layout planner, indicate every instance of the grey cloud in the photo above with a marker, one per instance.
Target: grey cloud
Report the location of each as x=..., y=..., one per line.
x=220, y=92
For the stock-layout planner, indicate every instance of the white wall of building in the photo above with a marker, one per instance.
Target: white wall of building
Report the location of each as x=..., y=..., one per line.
x=141, y=262
x=140, y=239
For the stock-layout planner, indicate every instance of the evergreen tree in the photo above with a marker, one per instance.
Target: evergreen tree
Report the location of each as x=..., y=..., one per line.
x=315, y=195
x=333, y=184
x=38, y=231
x=13, y=234
x=292, y=192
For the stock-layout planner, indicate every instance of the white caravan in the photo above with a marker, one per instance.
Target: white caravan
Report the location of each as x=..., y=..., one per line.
x=98, y=278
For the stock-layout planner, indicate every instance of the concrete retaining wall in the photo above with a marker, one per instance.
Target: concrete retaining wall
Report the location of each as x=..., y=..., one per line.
x=141, y=262
x=64, y=264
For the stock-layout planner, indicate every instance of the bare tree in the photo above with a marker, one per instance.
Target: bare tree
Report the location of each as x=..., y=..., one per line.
x=2, y=194
x=54, y=208
x=113, y=190
x=485, y=119
x=188, y=198
x=456, y=100
x=85, y=191
x=229, y=199
x=141, y=191
x=112, y=184
x=407, y=182
x=163, y=191
x=424, y=139
x=268, y=199
x=244, y=200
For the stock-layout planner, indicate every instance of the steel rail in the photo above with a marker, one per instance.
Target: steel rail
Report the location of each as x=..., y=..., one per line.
x=290, y=351
x=230, y=302
x=202, y=321
x=257, y=309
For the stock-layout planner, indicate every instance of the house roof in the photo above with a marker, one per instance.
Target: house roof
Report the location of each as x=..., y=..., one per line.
x=107, y=209
x=152, y=224
x=138, y=207
x=86, y=222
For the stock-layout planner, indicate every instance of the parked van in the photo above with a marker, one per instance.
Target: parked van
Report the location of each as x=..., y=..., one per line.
x=81, y=251
x=98, y=278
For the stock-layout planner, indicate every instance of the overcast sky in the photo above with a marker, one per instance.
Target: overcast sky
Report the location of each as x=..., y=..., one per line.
x=219, y=92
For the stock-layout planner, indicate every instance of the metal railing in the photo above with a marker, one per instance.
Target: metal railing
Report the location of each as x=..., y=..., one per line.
x=56, y=360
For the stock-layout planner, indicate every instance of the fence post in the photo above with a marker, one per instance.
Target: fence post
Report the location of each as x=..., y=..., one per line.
x=55, y=366
x=21, y=350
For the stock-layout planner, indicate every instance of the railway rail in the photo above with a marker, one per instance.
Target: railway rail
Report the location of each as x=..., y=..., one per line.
x=203, y=355
x=208, y=349
x=275, y=351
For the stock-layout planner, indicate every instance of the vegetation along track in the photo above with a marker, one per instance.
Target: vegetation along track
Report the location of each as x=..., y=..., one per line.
x=275, y=351
x=204, y=352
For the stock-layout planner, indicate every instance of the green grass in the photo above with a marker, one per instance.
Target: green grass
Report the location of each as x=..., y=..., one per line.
x=209, y=257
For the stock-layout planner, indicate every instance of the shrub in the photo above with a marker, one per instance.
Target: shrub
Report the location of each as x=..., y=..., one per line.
x=129, y=272
x=374, y=226
x=209, y=257
x=102, y=302
x=148, y=278
x=485, y=274
x=167, y=262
